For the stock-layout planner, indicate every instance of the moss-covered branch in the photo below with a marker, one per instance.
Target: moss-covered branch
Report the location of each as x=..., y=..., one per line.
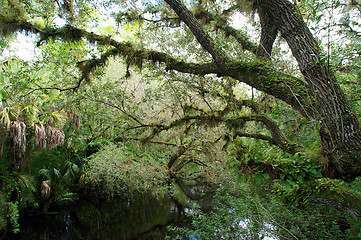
x=276, y=138
x=287, y=88
x=236, y=124
x=221, y=23
x=196, y=28
x=259, y=75
x=205, y=17
x=342, y=199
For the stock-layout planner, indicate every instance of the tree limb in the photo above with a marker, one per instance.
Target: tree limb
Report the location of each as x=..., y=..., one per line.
x=203, y=38
x=277, y=138
x=259, y=75
x=268, y=35
x=222, y=24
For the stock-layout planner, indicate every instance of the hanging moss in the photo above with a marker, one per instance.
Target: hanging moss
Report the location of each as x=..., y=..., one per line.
x=18, y=136
x=54, y=137
x=40, y=135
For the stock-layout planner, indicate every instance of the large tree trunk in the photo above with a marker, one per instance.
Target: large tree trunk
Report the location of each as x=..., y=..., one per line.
x=340, y=129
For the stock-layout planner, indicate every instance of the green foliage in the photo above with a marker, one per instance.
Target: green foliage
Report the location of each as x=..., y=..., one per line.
x=121, y=103
x=64, y=173
x=13, y=214
x=356, y=185
x=48, y=159
x=246, y=216
x=26, y=187
x=3, y=213
x=126, y=169
x=293, y=179
x=298, y=178
x=9, y=212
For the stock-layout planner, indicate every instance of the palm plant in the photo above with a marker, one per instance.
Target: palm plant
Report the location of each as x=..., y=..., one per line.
x=61, y=181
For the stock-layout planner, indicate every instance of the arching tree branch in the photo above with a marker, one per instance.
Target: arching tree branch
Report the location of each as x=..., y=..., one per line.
x=236, y=124
x=203, y=38
x=268, y=35
x=341, y=131
x=222, y=24
x=259, y=75
x=277, y=137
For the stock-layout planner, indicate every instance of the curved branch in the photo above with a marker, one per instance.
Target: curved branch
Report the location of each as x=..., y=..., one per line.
x=342, y=206
x=222, y=24
x=287, y=88
x=259, y=75
x=203, y=38
x=180, y=151
x=254, y=135
x=277, y=138
x=268, y=35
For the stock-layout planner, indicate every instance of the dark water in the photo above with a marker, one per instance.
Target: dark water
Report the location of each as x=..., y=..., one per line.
x=139, y=218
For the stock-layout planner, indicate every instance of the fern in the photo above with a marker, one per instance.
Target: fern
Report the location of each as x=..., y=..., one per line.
x=50, y=174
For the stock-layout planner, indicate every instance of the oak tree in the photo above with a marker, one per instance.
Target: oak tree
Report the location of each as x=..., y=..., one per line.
x=315, y=94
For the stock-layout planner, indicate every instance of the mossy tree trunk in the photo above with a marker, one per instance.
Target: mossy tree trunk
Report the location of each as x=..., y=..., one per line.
x=340, y=129
x=317, y=97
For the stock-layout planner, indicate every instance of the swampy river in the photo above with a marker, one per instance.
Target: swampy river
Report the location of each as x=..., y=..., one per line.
x=139, y=218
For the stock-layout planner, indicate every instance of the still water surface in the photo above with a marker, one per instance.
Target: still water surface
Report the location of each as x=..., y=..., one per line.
x=140, y=218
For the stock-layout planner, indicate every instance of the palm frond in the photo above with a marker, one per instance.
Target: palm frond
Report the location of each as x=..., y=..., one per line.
x=27, y=182
x=57, y=173
x=68, y=176
x=45, y=173
x=5, y=117
x=29, y=112
x=67, y=197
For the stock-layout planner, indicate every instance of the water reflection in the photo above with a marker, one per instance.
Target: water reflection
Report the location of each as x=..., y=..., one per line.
x=138, y=218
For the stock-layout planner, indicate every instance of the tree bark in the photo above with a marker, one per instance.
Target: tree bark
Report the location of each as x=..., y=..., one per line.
x=203, y=38
x=268, y=35
x=340, y=129
x=289, y=89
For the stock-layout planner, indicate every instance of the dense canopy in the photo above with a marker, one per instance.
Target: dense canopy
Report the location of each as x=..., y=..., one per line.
x=263, y=93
